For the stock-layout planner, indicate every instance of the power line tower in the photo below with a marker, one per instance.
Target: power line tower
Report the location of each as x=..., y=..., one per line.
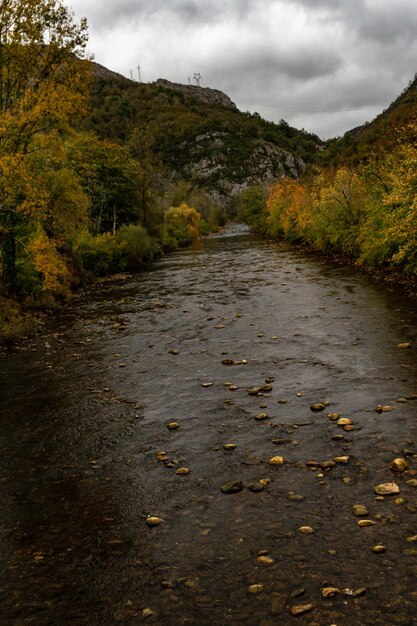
x=139, y=74
x=131, y=74
x=197, y=79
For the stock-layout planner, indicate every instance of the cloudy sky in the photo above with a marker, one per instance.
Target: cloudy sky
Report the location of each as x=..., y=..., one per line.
x=323, y=65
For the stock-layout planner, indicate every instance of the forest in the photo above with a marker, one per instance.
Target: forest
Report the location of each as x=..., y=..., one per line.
x=86, y=165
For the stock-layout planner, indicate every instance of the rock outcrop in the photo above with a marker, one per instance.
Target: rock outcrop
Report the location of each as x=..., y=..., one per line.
x=205, y=95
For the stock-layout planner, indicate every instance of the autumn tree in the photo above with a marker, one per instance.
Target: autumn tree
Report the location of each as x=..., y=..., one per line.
x=42, y=86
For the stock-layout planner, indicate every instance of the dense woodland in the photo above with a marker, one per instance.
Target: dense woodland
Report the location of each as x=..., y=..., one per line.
x=86, y=162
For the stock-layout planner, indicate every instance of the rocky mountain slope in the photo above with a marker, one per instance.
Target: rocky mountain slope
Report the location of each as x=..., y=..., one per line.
x=379, y=134
x=198, y=134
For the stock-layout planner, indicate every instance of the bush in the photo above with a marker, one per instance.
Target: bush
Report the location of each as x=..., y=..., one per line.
x=138, y=248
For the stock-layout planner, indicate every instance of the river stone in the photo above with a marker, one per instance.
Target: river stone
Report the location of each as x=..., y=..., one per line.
x=341, y=459
x=147, y=613
x=319, y=406
x=254, y=391
x=264, y=560
x=295, y=497
x=228, y=362
x=359, y=510
x=230, y=446
x=379, y=549
x=234, y=486
x=399, y=465
x=182, y=471
x=386, y=408
x=276, y=460
x=329, y=592
x=255, y=487
x=161, y=456
x=306, y=530
x=300, y=609
x=261, y=416
x=387, y=489
x=173, y=425
x=333, y=417
x=404, y=346
x=327, y=465
x=412, y=482
x=154, y=521
x=264, y=481
x=174, y=351
x=364, y=523
x=344, y=421
x=255, y=588
x=206, y=385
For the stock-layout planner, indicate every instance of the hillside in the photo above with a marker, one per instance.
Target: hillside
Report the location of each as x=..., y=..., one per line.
x=198, y=134
x=378, y=135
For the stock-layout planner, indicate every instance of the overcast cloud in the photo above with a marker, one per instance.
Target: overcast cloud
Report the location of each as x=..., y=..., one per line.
x=323, y=65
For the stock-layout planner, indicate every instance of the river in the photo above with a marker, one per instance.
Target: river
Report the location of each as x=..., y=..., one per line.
x=86, y=456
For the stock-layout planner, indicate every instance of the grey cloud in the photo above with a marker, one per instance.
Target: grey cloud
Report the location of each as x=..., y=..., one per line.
x=325, y=65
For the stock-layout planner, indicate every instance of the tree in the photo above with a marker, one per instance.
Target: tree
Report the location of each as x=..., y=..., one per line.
x=42, y=86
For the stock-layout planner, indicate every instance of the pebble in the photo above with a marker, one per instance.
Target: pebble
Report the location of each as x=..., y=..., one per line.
x=174, y=351
x=233, y=486
x=154, y=521
x=359, y=510
x=328, y=464
x=230, y=446
x=412, y=539
x=228, y=362
x=182, y=471
x=404, y=346
x=329, y=592
x=173, y=425
x=344, y=421
x=261, y=416
x=387, y=489
x=412, y=482
x=265, y=481
x=399, y=465
x=319, y=406
x=255, y=588
x=346, y=480
x=333, y=417
x=206, y=385
x=264, y=560
x=295, y=497
x=383, y=408
x=300, y=609
x=147, y=613
x=379, y=549
x=276, y=460
x=363, y=523
x=256, y=486
x=306, y=530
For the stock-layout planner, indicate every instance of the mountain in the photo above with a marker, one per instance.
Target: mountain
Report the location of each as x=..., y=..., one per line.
x=378, y=135
x=198, y=134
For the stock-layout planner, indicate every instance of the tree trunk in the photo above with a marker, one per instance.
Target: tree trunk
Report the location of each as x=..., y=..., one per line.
x=9, y=277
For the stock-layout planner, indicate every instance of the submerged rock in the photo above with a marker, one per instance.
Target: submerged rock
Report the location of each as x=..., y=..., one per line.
x=233, y=486
x=300, y=609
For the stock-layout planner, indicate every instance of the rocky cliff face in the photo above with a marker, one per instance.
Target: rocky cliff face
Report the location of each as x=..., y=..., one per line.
x=217, y=165
x=204, y=95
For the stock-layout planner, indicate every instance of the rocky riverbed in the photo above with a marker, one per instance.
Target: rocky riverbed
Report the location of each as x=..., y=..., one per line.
x=228, y=438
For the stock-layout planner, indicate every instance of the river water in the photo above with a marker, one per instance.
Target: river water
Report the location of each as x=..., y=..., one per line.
x=84, y=414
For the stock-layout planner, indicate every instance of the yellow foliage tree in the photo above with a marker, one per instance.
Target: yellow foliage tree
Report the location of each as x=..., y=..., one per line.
x=43, y=84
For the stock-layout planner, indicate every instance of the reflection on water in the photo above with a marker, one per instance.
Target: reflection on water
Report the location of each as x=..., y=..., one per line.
x=83, y=417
